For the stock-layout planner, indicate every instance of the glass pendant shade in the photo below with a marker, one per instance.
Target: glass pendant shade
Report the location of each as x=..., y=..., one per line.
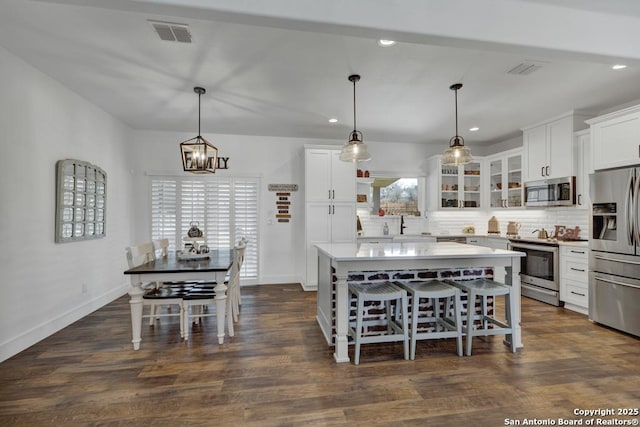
x=355, y=150
x=457, y=153
x=198, y=154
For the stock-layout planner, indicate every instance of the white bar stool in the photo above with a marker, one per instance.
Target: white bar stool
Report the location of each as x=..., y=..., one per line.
x=397, y=327
x=487, y=288
x=445, y=326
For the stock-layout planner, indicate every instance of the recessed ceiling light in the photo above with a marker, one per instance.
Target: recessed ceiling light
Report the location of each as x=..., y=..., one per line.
x=333, y=120
x=619, y=66
x=386, y=43
x=473, y=129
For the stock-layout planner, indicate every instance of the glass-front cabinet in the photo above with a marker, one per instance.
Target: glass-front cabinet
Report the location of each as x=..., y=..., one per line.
x=505, y=180
x=460, y=186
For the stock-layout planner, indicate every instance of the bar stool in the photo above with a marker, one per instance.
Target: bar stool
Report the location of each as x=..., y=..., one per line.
x=396, y=331
x=487, y=288
x=445, y=326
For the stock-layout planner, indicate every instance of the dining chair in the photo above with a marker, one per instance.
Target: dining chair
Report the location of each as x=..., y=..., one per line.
x=201, y=296
x=156, y=294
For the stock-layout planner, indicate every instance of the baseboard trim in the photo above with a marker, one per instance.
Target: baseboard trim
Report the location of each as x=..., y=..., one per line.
x=26, y=339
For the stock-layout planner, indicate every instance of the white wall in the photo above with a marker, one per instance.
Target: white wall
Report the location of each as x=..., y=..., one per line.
x=42, y=282
x=276, y=161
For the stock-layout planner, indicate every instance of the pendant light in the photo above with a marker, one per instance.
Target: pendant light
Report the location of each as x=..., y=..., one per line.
x=355, y=150
x=198, y=155
x=457, y=153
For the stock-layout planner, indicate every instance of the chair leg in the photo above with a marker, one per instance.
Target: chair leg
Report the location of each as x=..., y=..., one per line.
x=387, y=305
x=458, y=316
x=405, y=325
x=359, y=330
x=510, y=308
x=415, y=311
x=181, y=321
x=185, y=320
x=230, y=316
x=152, y=314
x=471, y=308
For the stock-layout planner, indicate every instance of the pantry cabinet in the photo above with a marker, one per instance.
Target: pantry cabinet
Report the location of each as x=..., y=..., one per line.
x=505, y=179
x=615, y=139
x=459, y=187
x=330, y=204
x=548, y=147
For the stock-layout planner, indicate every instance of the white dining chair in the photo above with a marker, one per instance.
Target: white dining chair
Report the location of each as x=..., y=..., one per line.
x=196, y=302
x=157, y=294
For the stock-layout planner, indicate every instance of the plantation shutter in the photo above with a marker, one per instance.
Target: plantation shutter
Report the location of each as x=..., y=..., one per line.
x=226, y=209
x=245, y=211
x=164, y=210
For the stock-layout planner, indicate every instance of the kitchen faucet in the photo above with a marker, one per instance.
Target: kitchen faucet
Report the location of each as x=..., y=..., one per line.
x=402, y=226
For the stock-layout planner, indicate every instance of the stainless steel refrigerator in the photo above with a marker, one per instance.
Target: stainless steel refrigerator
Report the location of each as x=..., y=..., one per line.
x=614, y=264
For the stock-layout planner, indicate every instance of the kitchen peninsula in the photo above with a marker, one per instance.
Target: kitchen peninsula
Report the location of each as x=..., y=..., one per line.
x=342, y=262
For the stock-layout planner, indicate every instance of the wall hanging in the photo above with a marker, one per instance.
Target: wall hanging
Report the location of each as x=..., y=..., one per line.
x=81, y=201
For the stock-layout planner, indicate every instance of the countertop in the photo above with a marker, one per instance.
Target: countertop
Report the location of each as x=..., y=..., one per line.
x=413, y=250
x=582, y=244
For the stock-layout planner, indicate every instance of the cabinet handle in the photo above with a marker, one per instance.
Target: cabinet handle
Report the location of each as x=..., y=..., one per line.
x=577, y=269
x=334, y=194
x=329, y=194
x=547, y=170
x=576, y=293
x=329, y=209
x=334, y=212
x=579, y=199
x=542, y=171
x=577, y=252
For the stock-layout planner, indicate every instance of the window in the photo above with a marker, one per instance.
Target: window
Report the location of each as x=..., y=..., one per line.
x=225, y=209
x=396, y=196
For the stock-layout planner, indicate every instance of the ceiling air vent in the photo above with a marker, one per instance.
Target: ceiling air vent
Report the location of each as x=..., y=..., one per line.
x=524, y=69
x=171, y=31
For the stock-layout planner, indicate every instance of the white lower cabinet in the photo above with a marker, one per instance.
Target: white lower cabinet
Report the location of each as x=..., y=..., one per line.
x=574, y=278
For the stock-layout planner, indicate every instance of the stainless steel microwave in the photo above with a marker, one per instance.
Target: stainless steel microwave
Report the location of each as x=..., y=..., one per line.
x=551, y=192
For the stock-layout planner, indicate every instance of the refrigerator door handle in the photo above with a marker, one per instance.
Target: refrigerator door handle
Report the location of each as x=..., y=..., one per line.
x=636, y=224
x=628, y=209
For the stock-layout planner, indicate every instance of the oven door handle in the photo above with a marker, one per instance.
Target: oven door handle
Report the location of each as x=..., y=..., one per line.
x=542, y=291
x=545, y=248
x=615, y=282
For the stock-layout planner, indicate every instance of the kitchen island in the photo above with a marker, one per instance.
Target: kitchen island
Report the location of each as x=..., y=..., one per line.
x=339, y=263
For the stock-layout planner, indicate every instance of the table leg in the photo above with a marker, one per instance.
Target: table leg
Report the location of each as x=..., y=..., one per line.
x=221, y=304
x=341, y=353
x=135, y=303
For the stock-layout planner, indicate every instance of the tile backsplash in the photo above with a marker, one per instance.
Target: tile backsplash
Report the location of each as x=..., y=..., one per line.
x=452, y=222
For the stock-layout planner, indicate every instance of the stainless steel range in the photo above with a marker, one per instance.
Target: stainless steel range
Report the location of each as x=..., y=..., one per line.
x=539, y=269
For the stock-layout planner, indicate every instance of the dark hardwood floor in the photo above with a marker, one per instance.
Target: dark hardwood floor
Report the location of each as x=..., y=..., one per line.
x=278, y=370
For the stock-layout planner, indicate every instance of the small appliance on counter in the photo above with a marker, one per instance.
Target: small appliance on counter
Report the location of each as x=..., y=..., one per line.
x=513, y=228
x=468, y=229
x=494, y=226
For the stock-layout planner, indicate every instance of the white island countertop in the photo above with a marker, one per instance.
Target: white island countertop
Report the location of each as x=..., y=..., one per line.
x=410, y=250
x=337, y=260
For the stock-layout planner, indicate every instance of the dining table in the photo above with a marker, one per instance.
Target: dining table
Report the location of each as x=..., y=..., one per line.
x=172, y=269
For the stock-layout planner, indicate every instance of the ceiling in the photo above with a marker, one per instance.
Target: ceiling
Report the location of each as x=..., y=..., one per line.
x=264, y=78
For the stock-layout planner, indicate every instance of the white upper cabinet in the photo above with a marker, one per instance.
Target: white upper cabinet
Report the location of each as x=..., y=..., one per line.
x=328, y=177
x=615, y=139
x=548, y=147
x=458, y=187
x=505, y=179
